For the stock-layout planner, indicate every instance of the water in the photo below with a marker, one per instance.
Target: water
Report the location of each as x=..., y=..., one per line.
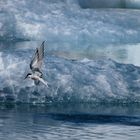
x=69, y=121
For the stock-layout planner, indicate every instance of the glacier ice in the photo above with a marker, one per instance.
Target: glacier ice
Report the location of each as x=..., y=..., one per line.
x=66, y=20
x=84, y=80
x=69, y=80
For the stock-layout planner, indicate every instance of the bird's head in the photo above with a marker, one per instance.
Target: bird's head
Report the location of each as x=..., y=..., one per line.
x=28, y=75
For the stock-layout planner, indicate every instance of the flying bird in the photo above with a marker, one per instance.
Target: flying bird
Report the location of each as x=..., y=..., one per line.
x=35, y=66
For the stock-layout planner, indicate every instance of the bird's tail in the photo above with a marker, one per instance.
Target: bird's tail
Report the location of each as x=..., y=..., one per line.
x=44, y=82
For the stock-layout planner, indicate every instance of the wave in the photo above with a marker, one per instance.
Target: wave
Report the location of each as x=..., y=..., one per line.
x=67, y=20
x=69, y=80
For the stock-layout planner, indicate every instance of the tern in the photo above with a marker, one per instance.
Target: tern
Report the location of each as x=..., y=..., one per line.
x=35, y=66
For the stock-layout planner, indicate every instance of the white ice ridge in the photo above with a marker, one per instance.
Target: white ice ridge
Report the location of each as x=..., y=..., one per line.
x=70, y=81
x=66, y=20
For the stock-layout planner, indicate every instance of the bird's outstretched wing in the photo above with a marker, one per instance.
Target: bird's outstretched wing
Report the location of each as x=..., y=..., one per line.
x=37, y=60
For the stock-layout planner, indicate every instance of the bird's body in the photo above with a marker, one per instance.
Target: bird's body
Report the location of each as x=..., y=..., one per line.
x=35, y=66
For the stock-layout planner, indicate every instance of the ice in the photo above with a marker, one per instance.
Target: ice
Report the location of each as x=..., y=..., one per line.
x=66, y=20
x=69, y=80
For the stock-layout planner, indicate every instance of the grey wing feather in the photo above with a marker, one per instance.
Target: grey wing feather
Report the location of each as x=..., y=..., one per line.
x=36, y=62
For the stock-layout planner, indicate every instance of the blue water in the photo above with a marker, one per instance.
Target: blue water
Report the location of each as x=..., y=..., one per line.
x=91, y=63
x=69, y=121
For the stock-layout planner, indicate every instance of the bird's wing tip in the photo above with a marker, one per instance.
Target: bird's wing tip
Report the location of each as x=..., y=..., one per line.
x=43, y=42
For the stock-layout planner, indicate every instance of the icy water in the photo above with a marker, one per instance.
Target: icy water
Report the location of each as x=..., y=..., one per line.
x=69, y=121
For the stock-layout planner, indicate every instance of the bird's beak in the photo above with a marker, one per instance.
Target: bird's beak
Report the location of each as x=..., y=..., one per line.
x=25, y=77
